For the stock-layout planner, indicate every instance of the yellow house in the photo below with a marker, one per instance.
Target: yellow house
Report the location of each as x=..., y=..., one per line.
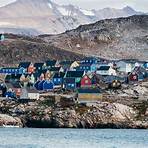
x=89, y=94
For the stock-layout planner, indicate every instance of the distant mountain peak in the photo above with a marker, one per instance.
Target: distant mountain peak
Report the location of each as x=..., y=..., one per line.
x=129, y=9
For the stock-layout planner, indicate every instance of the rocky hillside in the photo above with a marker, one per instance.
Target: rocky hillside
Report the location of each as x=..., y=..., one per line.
x=21, y=48
x=104, y=114
x=110, y=38
x=47, y=17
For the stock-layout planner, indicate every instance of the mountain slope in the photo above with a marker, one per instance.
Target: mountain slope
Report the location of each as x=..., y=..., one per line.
x=46, y=17
x=110, y=38
x=22, y=48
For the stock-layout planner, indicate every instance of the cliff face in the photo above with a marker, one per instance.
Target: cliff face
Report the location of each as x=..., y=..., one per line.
x=111, y=38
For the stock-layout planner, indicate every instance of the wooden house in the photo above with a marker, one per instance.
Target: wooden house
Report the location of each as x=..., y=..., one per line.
x=39, y=66
x=14, y=89
x=2, y=37
x=89, y=94
x=51, y=63
x=13, y=78
x=125, y=65
x=106, y=70
x=86, y=81
x=58, y=78
x=89, y=60
x=31, y=94
x=12, y=70
x=138, y=74
x=72, y=79
x=44, y=85
x=145, y=65
x=87, y=67
x=28, y=66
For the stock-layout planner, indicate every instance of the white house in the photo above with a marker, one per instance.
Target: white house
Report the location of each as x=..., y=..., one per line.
x=124, y=66
x=106, y=70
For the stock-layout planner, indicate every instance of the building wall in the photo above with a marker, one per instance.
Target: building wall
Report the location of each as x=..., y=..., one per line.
x=89, y=97
x=35, y=96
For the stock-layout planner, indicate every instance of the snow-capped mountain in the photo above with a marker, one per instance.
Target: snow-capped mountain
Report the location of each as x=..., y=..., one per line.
x=47, y=17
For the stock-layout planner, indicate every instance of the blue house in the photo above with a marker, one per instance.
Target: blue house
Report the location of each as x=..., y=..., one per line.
x=48, y=85
x=44, y=85
x=58, y=78
x=72, y=79
x=145, y=65
x=89, y=60
x=37, y=84
x=12, y=70
x=87, y=67
x=2, y=37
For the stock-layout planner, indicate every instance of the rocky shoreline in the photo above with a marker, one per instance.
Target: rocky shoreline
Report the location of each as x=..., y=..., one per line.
x=104, y=114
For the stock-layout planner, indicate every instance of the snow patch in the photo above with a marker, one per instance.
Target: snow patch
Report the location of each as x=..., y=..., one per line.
x=87, y=12
x=63, y=11
x=50, y=5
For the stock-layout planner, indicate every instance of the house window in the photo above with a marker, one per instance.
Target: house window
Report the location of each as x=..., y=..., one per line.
x=86, y=81
x=59, y=80
x=72, y=85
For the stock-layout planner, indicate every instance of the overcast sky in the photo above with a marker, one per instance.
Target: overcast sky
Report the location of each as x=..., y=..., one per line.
x=141, y=5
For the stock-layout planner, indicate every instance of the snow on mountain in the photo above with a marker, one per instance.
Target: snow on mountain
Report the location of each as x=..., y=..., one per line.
x=87, y=12
x=48, y=17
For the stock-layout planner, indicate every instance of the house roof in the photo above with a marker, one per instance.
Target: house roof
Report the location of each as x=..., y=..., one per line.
x=36, y=65
x=12, y=76
x=74, y=74
x=140, y=70
x=89, y=90
x=51, y=62
x=66, y=62
x=59, y=75
x=104, y=68
x=55, y=69
x=13, y=85
x=24, y=64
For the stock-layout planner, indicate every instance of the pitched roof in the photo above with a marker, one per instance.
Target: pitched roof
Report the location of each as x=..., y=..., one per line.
x=59, y=75
x=104, y=68
x=89, y=90
x=51, y=62
x=55, y=69
x=66, y=62
x=12, y=76
x=36, y=65
x=74, y=74
x=24, y=64
x=13, y=85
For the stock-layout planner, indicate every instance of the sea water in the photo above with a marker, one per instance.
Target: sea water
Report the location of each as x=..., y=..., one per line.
x=72, y=138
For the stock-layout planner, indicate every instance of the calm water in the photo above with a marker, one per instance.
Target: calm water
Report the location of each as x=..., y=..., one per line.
x=71, y=138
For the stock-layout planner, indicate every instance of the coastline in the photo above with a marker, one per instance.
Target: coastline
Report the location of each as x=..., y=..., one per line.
x=99, y=115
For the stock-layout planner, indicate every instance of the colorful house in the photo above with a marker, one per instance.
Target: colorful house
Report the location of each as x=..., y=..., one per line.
x=89, y=94
x=39, y=66
x=12, y=70
x=28, y=66
x=58, y=78
x=138, y=74
x=106, y=70
x=72, y=79
x=89, y=60
x=44, y=85
x=145, y=65
x=87, y=67
x=86, y=81
x=2, y=37
x=51, y=63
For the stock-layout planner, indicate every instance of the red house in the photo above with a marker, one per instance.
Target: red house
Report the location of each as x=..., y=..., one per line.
x=133, y=77
x=86, y=81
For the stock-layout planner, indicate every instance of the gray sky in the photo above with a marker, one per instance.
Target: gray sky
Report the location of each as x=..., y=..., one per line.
x=140, y=5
